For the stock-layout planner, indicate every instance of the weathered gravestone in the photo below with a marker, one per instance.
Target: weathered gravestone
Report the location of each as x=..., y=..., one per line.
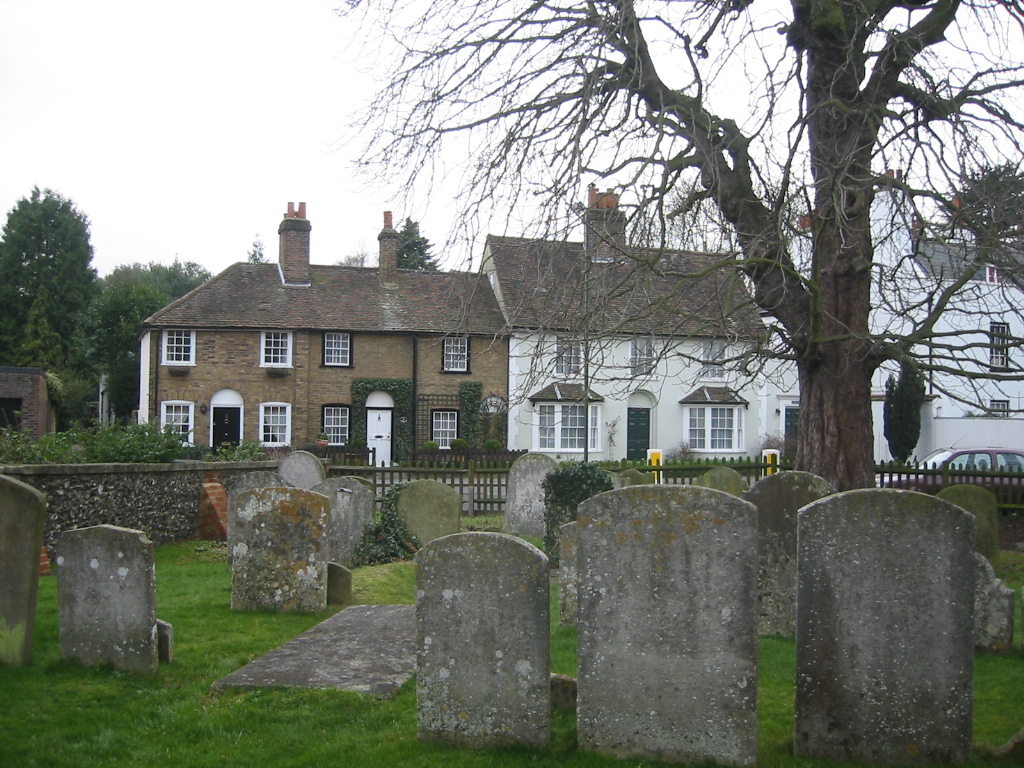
x=482, y=641
x=524, y=499
x=238, y=484
x=22, y=519
x=723, y=479
x=885, y=631
x=667, y=619
x=351, y=512
x=778, y=497
x=279, y=551
x=993, y=609
x=301, y=469
x=567, y=576
x=633, y=476
x=983, y=504
x=339, y=584
x=106, y=598
x=430, y=509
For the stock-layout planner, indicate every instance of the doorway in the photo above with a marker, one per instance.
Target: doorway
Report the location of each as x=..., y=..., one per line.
x=638, y=433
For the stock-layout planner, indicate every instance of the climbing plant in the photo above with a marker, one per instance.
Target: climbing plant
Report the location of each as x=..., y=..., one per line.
x=470, y=398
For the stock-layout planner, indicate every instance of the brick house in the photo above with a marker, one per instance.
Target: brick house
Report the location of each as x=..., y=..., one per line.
x=279, y=353
x=25, y=401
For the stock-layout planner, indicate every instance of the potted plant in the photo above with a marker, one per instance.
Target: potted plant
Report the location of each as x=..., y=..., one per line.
x=322, y=440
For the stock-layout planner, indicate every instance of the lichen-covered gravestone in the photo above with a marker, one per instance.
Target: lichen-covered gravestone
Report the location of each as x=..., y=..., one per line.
x=524, y=499
x=301, y=469
x=885, y=632
x=430, y=509
x=279, y=551
x=567, y=575
x=983, y=504
x=778, y=498
x=993, y=609
x=633, y=476
x=106, y=598
x=482, y=641
x=22, y=518
x=723, y=479
x=238, y=484
x=667, y=620
x=351, y=512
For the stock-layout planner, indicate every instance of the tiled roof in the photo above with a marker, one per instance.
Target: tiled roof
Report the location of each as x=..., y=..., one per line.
x=564, y=391
x=345, y=298
x=948, y=259
x=665, y=292
x=704, y=395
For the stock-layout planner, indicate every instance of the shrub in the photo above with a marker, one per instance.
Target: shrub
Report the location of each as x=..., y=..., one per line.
x=387, y=539
x=244, y=451
x=459, y=445
x=431, y=446
x=492, y=446
x=137, y=443
x=564, y=489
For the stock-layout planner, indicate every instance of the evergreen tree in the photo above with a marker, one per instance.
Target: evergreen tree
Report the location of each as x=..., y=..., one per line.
x=414, y=248
x=902, y=412
x=41, y=346
x=45, y=247
x=257, y=252
x=171, y=281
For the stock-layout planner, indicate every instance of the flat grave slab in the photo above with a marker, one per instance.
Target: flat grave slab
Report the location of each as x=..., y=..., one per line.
x=365, y=648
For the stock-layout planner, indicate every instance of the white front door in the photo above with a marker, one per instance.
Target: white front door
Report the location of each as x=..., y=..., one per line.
x=378, y=434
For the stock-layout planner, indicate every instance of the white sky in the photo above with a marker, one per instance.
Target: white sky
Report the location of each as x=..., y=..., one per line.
x=183, y=129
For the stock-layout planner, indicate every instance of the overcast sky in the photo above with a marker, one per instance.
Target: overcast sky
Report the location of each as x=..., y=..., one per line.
x=183, y=129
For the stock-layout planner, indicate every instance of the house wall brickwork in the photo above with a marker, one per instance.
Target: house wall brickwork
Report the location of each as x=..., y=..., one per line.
x=29, y=386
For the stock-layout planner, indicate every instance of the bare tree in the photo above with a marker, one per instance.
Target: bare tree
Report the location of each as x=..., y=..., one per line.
x=360, y=257
x=654, y=96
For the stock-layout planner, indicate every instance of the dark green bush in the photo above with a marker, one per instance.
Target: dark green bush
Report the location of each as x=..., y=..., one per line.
x=431, y=446
x=492, y=446
x=244, y=451
x=460, y=445
x=137, y=443
x=564, y=489
x=388, y=538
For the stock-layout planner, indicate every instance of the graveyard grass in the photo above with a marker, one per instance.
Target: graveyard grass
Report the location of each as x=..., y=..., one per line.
x=54, y=713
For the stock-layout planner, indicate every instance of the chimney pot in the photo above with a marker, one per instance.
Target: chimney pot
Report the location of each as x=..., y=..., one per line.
x=387, y=220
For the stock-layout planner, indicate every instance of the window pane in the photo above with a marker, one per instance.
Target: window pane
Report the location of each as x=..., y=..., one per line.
x=336, y=348
x=456, y=353
x=276, y=348
x=642, y=358
x=545, y=426
x=336, y=424
x=697, y=440
x=178, y=347
x=999, y=353
x=445, y=427
x=274, y=426
x=721, y=428
x=713, y=354
x=177, y=417
x=569, y=357
x=573, y=427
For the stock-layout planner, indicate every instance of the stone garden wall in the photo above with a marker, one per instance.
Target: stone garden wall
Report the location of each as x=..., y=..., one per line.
x=161, y=500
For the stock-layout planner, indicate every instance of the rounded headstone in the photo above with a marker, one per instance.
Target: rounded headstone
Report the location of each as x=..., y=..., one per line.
x=301, y=469
x=983, y=504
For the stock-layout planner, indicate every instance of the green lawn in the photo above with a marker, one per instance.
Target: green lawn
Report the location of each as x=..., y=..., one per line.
x=54, y=713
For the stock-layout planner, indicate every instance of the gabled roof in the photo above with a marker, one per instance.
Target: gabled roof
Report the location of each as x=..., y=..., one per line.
x=343, y=298
x=550, y=285
x=948, y=259
x=565, y=391
x=718, y=395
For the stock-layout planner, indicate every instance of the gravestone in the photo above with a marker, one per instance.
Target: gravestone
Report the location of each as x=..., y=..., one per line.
x=339, y=584
x=279, y=551
x=778, y=497
x=567, y=576
x=993, y=609
x=723, y=479
x=22, y=519
x=524, y=499
x=351, y=512
x=885, y=631
x=633, y=476
x=301, y=469
x=482, y=641
x=430, y=509
x=106, y=598
x=242, y=482
x=983, y=504
x=667, y=621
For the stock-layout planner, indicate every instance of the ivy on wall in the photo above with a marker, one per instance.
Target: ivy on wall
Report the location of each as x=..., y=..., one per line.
x=470, y=399
x=401, y=427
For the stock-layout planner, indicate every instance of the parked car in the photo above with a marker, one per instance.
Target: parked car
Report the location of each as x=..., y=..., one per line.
x=1000, y=470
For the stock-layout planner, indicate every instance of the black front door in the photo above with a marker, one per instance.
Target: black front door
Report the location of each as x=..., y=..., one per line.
x=227, y=422
x=638, y=433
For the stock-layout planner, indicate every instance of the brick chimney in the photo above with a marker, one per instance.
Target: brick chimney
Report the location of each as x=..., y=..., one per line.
x=388, y=260
x=293, y=254
x=605, y=231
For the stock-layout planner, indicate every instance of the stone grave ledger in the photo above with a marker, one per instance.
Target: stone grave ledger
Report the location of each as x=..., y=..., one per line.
x=22, y=520
x=106, y=598
x=524, y=502
x=279, y=551
x=667, y=619
x=885, y=632
x=482, y=641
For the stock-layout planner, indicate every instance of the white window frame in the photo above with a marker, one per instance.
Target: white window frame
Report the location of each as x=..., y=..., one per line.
x=568, y=357
x=180, y=417
x=641, y=356
x=176, y=349
x=283, y=430
x=993, y=274
x=559, y=428
x=715, y=428
x=444, y=427
x=999, y=352
x=336, y=421
x=456, y=354
x=337, y=349
x=999, y=408
x=712, y=354
x=275, y=355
